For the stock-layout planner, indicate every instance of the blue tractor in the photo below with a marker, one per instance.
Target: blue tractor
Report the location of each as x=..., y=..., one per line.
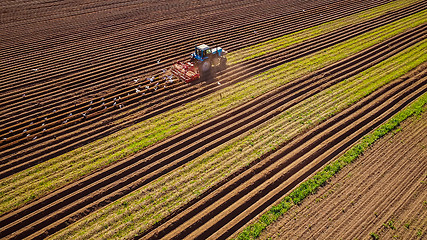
x=203, y=63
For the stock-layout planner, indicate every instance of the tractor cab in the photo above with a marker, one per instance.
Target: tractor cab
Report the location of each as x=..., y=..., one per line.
x=202, y=53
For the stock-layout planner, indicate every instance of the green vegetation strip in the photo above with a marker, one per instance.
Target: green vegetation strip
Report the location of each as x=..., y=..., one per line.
x=309, y=33
x=310, y=186
x=46, y=177
x=135, y=212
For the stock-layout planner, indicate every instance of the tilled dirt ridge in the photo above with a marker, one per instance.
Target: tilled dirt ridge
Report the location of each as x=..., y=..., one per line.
x=385, y=185
x=58, y=209
x=58, y=138
x=230, y=207
x=44, y=128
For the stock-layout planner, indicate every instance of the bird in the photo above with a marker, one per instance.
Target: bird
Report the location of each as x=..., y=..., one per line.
x=219, y=83
x=105, y=107
x=44, y=129
x=147, y=87
x=25, y=130
x=163, y=70
x=155, y=88
x=24, y=95
x=102, y=99
x=45, y=118
x=28, y=135
x=35, y=69
x=114, y=99
x=151, y=79
x=137, y=90
x=255, y=32
x=91, y=102
x=84, y=114
x=158, y=61
x=103, y=103
x=114, y=104
x=35, y=138
x=42, y=124
x=11, y=131
x=303, y=10
x=66, y=120
x=90, y=108
x=157, y=84
x=71, y=114
x=128, y=94
x=54, y=111
x=120, y=106
x=4, y=138
x=135, y=80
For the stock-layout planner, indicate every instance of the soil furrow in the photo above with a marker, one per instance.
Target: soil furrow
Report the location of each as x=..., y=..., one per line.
x=351, y=63
x=384, y=184
x=355, y=189
x=158, y=32
x=156, y=50
x=77, y=120
x=115, y=172
x=260, y=194
x=62, y=90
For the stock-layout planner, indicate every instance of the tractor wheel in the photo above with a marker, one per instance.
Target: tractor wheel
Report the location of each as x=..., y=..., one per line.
x=205, y=66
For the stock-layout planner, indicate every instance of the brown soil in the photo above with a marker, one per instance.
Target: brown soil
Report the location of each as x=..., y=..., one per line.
x=64, y=206
x=228, y=208
x=76, y=200
x=70, y=86
x=388, y=183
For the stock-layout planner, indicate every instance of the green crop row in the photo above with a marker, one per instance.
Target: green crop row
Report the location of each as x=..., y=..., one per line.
x=311, y=185
x=46, y=177
x=134, y=213
x=276, y=44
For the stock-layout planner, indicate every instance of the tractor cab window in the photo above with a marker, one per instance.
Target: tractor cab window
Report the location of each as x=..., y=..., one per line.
x=198, y=52
x=207, y=52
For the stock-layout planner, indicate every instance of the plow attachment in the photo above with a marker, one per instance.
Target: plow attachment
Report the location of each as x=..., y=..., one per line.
x=186, y=71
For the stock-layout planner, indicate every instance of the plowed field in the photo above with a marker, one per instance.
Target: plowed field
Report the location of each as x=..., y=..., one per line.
x=93, y=125
x=44, y=112
x=382, y=193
